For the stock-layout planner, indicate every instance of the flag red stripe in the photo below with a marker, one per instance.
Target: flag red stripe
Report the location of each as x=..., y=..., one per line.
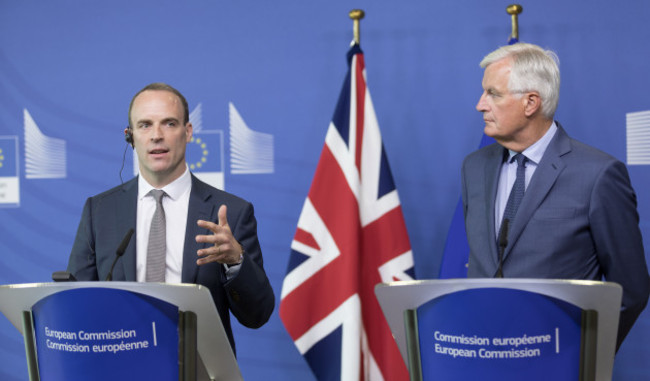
x=306, y=239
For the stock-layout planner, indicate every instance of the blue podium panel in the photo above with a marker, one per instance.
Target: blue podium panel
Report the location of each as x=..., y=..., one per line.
x=499, y=334
x=105, y=334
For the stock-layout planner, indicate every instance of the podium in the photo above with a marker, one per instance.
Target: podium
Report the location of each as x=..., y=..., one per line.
x=504, y=329
x=30, y=308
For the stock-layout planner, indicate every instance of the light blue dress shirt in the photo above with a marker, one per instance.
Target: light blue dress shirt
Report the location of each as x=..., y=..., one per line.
x=508, y=173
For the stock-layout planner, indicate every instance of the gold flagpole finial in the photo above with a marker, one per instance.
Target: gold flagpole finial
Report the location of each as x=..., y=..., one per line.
x=357, y=15
x=514, y=10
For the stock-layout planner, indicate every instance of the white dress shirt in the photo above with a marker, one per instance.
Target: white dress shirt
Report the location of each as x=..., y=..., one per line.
x=176, y=204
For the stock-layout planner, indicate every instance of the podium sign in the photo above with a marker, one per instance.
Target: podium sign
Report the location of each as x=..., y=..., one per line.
x=100, y=334
x=499, y=334
x=188, y=308
x=517, y=329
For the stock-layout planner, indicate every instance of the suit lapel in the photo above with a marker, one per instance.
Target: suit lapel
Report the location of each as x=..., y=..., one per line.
x=128, y=214
x=199, y=209
x=541, y=183
x=492, y=169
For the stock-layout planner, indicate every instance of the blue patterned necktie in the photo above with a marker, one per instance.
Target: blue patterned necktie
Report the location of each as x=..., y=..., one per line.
x=518, y=189
x=157, y=247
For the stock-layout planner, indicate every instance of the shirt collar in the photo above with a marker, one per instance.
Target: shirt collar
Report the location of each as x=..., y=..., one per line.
x=174, y=190
x=535, y=152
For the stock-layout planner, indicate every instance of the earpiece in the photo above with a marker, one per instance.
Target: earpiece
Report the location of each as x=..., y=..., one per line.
x=128, y=135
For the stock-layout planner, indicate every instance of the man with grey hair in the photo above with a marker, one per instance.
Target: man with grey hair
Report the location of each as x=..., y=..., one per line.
x=539, y=204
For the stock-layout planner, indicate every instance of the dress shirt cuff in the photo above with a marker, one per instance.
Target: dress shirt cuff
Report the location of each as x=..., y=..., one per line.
x=233, y=270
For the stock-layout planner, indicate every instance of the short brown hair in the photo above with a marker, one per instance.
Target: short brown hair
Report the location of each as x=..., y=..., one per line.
x=160, y=86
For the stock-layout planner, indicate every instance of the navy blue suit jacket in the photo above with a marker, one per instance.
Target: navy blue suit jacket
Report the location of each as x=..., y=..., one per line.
x=108, y=216
x=577, y=220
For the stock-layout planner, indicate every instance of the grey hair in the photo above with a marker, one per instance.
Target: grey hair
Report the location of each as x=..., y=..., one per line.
x=533, y=69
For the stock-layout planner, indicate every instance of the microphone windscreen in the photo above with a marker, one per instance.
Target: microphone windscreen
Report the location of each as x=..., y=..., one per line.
x=125, y=242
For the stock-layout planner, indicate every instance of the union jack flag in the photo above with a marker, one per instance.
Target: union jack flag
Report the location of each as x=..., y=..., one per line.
x=350, y=237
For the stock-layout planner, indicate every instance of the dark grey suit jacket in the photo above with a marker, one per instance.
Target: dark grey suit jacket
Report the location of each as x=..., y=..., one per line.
x=108, y=216
x=577, y=220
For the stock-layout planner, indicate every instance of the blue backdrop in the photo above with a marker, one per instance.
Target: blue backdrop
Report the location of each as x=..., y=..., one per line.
x=69, y=68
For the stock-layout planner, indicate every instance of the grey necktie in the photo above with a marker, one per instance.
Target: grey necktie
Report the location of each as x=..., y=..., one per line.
x=157, y=246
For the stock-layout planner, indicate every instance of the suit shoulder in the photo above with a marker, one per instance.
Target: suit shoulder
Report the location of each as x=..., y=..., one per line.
x=112, y=200
x=585, y=161
x=588, y=152
x=591, y=159
x=210, y=192
x=118, y=190
x=483, y=153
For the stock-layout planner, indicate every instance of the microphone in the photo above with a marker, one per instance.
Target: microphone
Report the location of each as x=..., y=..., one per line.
x=63, y=276
x=120, y=250
x=503, y=242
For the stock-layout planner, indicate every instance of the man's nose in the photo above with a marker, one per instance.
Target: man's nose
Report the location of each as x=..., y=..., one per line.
x=481, y=105
x=157, y=132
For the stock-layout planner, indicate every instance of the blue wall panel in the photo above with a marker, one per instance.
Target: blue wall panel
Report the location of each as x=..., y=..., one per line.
x=75, y=65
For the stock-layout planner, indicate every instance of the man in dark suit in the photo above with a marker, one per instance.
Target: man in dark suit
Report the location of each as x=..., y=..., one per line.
x=210, y=236
x=576, y=216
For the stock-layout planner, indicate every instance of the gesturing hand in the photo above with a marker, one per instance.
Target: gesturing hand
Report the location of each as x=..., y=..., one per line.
x=225, y=248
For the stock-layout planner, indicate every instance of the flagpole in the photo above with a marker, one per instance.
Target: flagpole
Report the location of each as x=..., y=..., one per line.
x=514, y=10
x=357, y=15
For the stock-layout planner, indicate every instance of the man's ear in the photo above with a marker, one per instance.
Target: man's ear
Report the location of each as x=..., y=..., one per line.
x=189, y=130
x=532, y=103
